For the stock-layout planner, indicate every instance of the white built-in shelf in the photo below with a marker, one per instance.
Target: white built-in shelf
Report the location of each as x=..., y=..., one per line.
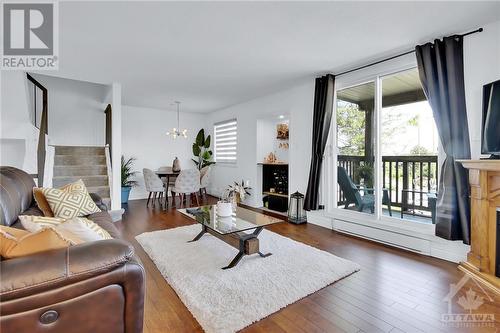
x=277, y=163
x=276, y=194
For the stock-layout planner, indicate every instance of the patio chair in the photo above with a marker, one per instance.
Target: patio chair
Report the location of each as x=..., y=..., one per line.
x=432, y=197
x=352, y=193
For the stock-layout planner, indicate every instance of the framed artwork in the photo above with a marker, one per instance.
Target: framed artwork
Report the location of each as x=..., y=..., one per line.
x=282, y=131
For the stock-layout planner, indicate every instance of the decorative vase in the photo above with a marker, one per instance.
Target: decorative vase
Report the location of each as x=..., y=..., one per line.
x=176, y=165
x=125, y=194
x=235, y=200
x=224, y=209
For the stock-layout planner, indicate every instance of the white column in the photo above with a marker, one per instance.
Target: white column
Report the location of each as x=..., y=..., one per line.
x=116, y=144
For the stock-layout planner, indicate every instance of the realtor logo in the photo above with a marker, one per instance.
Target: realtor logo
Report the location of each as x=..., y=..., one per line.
x=470, y=301
x=29, y=33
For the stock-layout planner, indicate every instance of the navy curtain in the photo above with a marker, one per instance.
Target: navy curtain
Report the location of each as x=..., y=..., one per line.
x=323, y=109
x=441, y=71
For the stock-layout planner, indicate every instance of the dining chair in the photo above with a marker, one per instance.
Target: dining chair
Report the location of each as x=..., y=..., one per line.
x=188, y=182
x=205, y=173
x=154, y=185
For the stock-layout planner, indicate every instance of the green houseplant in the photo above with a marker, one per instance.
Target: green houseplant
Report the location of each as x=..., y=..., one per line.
x=365, y=172
x=127, y=174
x=201, y=150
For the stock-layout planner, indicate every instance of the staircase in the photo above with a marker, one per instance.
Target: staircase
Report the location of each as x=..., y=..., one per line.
x=72, y=163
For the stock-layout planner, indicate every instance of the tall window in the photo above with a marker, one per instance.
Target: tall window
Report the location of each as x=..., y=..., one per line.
x=226, y=141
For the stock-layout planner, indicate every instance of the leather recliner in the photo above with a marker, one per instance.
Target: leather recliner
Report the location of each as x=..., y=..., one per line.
x=92, y=287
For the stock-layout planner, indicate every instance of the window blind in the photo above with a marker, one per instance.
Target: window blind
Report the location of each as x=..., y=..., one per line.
x=225, y=141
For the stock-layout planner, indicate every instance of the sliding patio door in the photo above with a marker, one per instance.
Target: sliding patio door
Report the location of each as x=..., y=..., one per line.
x=355, y=119
x=387, y=149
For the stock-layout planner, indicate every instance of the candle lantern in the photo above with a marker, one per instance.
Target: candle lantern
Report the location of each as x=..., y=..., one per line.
x=296, y=212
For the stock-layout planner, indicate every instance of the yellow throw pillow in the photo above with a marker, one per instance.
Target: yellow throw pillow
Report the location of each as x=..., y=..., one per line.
x=16, y=243
x=78, y=228
x=70, y=201
x=42, y=202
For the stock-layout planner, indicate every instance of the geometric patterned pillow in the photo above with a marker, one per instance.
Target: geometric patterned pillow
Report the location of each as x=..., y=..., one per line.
x=78, y=186
x=70, y=201
x=34, y=223
x=77, y=229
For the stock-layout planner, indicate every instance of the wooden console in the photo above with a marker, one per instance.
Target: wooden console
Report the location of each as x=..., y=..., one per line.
x=484, y=179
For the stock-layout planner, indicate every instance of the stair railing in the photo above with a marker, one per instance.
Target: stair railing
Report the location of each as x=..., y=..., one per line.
x=49, y=166
x=108, y=169
x=43, y=126
x=108, y=112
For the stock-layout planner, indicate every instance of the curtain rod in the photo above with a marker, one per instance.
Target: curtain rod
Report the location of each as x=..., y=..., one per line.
x=399, y=55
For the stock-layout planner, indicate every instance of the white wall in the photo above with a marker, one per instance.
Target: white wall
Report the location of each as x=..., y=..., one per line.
x=481, y=66
x=76, y=111
x=297, y=103
x=144, y=136
x=265, y=138
x=18, y=136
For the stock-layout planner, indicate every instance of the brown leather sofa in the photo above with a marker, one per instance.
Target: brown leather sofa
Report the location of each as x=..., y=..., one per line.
x=92, y=287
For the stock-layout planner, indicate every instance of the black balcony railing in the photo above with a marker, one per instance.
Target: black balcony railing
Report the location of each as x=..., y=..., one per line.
x=407, y=178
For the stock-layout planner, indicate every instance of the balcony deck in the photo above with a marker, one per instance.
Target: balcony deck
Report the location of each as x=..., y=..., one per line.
x=422, y=217
x=407, y=181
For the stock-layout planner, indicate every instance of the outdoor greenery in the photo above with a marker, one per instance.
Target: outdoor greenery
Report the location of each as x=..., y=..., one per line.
x=201, y=150
x=351, y=129
x=351, y=124
x=420, y=150
x=127, y=172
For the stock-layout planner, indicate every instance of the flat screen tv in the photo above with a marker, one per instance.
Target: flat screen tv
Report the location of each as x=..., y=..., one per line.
x=490, y=142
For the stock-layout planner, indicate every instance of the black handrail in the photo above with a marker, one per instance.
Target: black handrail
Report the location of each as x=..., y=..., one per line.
x=43, y=129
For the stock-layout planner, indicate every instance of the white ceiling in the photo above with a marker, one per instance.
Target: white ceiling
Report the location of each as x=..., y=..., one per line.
x=214, y=54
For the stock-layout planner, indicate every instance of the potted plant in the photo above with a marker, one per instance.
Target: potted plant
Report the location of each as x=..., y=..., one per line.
x=201, y=150
x=127, y=181
x=365, y=172
x=236, y=193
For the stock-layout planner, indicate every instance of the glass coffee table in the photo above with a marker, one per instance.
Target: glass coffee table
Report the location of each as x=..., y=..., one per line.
x=240, y=230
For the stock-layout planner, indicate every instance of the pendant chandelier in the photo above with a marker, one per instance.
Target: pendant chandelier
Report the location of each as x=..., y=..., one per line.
x=175, y=132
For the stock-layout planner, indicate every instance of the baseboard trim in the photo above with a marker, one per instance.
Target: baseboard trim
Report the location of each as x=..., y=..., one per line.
x=438, y=248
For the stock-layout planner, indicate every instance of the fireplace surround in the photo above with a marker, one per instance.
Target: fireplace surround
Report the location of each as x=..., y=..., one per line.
x=483, y=258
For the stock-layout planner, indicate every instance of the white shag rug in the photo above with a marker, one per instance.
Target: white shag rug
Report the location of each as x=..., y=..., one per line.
x=229, y=300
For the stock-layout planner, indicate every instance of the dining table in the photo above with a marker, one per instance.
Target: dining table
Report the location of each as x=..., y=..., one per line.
x=169, y=174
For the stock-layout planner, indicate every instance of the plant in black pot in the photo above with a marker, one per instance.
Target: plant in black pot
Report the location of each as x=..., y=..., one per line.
x=365, y=173
x=201, y=150
x=127, y=177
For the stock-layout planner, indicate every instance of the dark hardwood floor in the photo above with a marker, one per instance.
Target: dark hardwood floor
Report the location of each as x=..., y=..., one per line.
x=395, y=291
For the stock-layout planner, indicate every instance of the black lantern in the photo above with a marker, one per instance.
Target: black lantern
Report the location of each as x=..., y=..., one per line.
x=296, y=212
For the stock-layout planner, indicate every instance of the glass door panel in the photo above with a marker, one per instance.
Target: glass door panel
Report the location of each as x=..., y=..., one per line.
x=408, y=143
x=355, y=118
